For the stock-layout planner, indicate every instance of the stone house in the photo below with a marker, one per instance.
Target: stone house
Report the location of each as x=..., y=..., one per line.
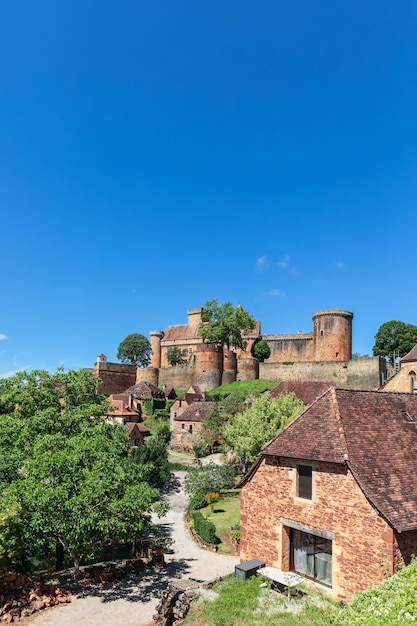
x=333, y=497
x=184, y=400
x=186, y=427
x=405, y=380
x=126, y=410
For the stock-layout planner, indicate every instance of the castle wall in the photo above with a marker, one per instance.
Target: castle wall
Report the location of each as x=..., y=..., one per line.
x=115, y=377
x=148, y=375
x=248, y=369
x=364, y=373
x=298, y=347
x=332, y=332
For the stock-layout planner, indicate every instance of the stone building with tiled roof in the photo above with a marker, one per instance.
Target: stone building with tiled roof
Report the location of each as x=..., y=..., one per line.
x=405, y=380
x=333, y=497
x=186, y=427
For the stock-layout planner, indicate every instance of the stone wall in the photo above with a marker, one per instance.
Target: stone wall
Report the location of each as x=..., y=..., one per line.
x=363, y=542
x=404, y=381
x=364, y=373
x=115, y=377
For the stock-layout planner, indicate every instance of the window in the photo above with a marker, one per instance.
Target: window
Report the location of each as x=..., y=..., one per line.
x=190, y=428
x=311, y=556
x=305, y=482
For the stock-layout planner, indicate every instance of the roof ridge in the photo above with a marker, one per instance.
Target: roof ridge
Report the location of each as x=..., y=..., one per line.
x=340, y=425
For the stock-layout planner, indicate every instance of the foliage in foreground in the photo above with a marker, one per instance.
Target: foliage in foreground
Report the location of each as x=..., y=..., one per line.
x=65, y=473
x=393, y=602
x=247, y=432
x=245, y=603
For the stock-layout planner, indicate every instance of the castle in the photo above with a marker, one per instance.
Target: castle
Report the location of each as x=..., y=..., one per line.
x=324, y=354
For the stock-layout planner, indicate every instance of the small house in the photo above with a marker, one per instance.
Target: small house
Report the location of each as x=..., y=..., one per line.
x=333, y=497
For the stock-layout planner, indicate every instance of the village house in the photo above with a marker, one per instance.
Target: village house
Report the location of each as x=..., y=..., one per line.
x=184, y=400
x=405, y=380
x=186, y=427
x=127, y=411
x=333, y=497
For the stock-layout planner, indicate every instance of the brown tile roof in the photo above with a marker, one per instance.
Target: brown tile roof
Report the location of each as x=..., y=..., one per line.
x=146, y=390
x=307, y=392
x=372, y=433
x=136, y=430
x=194, y=397
x=181, y=332
x=121, y=407
x=196, y=412
x=410, y=356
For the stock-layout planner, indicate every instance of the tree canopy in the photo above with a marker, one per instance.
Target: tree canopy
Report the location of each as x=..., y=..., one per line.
x=261, y=350
x=65, y=475
x=248, y=431
x=176, y=355
x=134, y=349
x=225, y=324
x=210, y=477
x=394, y=339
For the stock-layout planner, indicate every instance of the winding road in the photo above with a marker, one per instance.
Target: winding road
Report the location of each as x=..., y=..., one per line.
x=132, y=601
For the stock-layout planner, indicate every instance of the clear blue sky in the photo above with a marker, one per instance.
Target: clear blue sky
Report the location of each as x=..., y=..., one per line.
x=157, y=154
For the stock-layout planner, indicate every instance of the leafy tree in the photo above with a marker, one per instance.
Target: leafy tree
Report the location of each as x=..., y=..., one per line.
x=261, y=350
x=225, y=325
x=247, y=432
x=69, y=479
x=394, y=339
x=358, y=355
x=134, y=349
x=210, y=477
x=152, y=459
x=176, y=355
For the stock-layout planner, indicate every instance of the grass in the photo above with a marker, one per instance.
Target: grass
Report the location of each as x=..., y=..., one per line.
x=248, y=387
x=226, y=513
x=247, y=603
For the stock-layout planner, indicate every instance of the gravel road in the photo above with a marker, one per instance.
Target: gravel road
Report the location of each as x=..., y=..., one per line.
x=132, y=601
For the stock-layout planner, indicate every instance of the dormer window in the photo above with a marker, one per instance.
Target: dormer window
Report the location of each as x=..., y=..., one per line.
x=305, y=482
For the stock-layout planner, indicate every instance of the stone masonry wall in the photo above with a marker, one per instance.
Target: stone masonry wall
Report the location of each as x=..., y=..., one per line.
x=355, y=374
x=116, y=377
x=363, y=543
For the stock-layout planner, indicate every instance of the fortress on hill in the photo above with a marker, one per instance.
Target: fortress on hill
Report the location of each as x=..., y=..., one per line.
x=322, y=355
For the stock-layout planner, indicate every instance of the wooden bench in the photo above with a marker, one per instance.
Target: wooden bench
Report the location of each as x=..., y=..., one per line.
x=286, y=579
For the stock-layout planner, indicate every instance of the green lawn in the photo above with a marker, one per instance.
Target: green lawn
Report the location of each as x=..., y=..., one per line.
x=226, y=513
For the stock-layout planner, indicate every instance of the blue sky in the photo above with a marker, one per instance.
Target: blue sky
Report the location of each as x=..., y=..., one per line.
x=155, y=155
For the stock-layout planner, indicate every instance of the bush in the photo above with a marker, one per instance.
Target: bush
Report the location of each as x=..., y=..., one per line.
x=261, y=350
x=204, y=528
x=198, y=501
x=201, y=449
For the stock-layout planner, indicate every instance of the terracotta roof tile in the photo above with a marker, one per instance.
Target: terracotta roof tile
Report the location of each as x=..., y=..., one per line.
x=411, y=356
x=196, y=412
x=307, y=392
x=374, y=433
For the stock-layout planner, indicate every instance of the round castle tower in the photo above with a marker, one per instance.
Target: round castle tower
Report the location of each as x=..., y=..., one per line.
x=332, y=332
x=209, y=366
x=156, y=337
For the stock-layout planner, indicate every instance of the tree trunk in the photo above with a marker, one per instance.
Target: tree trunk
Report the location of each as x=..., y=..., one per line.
x=59, y=556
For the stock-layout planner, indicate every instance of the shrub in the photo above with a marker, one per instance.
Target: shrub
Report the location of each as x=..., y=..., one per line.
x=204, y=528
x=198, y=501
x=261, y=350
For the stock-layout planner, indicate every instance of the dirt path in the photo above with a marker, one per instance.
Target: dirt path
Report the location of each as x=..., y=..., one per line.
x=132, y=601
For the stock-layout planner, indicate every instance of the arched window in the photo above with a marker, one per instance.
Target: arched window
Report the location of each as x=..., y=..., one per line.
x=413, y=381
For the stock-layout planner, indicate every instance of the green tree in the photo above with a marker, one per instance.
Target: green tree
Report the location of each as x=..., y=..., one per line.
x=152, y=459
x=394, y=339
x=225, y=325
x=69, y=478
x=134, y=349
x=261, y=350
x=210, y=477
x=176, y=355
x=247, y=432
